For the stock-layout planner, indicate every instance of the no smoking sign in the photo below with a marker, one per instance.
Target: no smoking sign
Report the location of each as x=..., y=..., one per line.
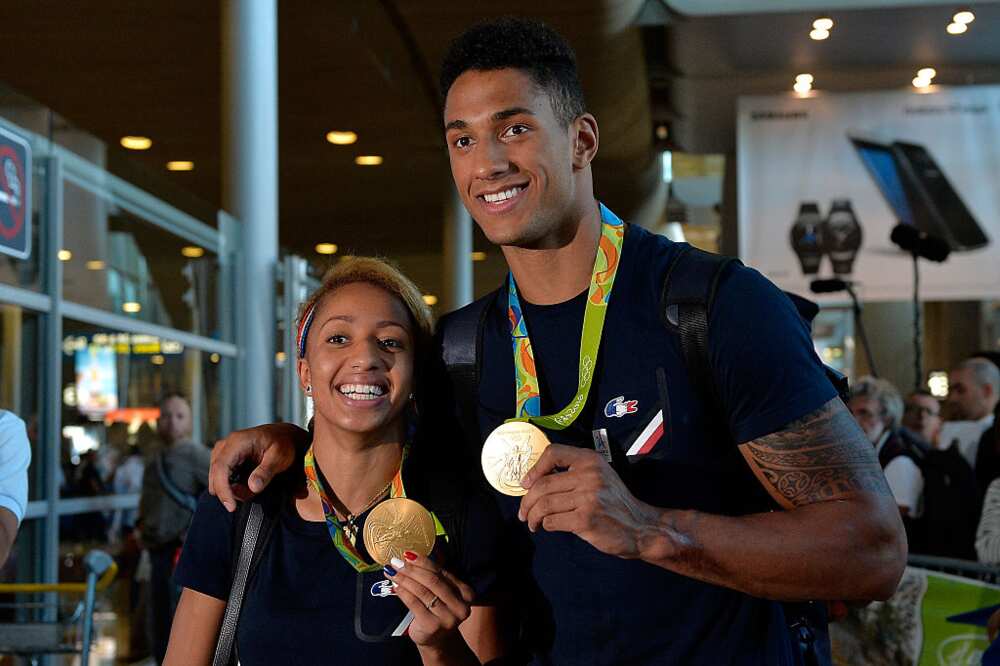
x=15, y=195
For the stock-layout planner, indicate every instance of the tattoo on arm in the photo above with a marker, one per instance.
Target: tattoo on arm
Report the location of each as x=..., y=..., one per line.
x=822, y=456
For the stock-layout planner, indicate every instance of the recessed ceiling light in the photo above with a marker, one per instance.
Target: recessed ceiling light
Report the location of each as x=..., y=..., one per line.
x=819, y=35
x=214, y=358
x=279, y=357
x=957, y=28
x=326, y=248
x=804, y=78
x=95, y=265
x=180, y=165
x=430, y=299
x=921, y=82
x=963, y=16
x=157, y=359
x=479, y=256
x=131, y=307
x=341, y=138
x=136, y=142
x=368, y=160
x=64, y=255
x=801, y=87
x=823, y=23
x=192, y=251
x=927, y=73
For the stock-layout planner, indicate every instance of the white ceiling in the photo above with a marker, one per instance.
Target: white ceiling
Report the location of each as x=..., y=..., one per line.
x=722, y=7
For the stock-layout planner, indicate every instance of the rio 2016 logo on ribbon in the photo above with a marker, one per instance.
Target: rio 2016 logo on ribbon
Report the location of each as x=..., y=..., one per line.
x=15, y=195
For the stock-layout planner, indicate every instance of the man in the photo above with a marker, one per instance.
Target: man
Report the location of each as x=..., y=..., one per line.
x=177, y=474
x=876, y=405
x=15, y=456
x=922, y=416
x=973, y=393
x=669, y=556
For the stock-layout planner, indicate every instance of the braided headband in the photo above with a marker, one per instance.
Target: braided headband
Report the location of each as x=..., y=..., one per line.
x=304, y=325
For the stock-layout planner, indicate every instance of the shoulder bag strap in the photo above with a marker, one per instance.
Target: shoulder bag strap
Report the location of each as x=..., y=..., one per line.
x=185, y=500
x=227, y=632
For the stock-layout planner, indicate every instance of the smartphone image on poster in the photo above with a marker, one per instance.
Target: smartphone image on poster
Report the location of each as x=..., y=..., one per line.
x=918, y=191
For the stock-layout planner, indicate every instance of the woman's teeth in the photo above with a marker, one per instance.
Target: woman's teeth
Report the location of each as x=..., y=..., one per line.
x=362, y=391
x=503, y=196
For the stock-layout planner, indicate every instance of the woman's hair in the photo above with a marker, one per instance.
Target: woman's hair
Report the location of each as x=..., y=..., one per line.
x=382, y=274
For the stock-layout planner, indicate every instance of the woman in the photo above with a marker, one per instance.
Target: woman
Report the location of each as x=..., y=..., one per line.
x=316, y=596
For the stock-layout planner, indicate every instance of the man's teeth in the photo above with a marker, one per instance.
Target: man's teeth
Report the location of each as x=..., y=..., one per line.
x=362, y=391
x=502, y=196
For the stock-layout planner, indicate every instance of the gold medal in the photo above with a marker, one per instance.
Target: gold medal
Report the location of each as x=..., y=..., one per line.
x=509, y=452
x=397, y=525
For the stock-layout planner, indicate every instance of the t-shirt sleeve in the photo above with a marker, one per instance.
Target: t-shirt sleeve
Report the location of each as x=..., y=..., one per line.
x=765, y=367
x=15, y=456
x=206, y=560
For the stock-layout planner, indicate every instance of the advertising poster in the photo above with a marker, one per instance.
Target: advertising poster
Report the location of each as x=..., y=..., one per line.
x=15, y=195
x=96, y=380
x=824, y=180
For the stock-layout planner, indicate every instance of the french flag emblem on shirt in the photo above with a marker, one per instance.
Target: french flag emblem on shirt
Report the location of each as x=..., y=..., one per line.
x=648, y=438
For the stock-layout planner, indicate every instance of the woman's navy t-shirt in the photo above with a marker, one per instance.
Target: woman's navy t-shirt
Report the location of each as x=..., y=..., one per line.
x=306, y=604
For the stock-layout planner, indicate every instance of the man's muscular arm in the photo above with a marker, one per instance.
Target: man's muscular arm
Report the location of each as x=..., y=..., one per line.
x=840, y=538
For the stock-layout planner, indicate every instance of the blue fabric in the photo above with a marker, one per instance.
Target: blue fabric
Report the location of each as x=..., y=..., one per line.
x=300, y=606
x=591, y=608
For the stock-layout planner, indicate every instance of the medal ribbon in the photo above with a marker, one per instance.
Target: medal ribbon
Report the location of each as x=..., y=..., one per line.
x=606, y=263
x=335, y=527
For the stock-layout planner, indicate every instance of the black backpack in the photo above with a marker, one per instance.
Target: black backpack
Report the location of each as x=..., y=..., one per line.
x=952, y=504
x=689, y=289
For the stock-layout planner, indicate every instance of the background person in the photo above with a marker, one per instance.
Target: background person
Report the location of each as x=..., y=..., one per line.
x=177, y=474
x=15, y=456
x=973, y=394
x=922, y=416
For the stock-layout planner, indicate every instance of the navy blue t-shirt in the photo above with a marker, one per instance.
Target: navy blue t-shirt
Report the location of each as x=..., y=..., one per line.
x=306, y=604
x=593, y=608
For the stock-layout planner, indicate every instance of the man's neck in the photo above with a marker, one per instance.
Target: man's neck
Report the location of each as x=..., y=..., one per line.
x=555, y=274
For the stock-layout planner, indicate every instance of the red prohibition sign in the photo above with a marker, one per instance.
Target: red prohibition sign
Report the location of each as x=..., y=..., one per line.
x=16, y=212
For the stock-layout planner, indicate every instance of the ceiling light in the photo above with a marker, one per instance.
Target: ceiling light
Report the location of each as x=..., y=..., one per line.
x=804, y=78
x=479, y=256
x=192, y=251
x=326, y=248
x=136, y=142
x=279, y=357
x=927, y=73
x=157, y=359
x=64, y=255
x=368, y=160
x=430, y=299
x=662, y=132
x=131, y=307
x=95, y=265
x=214, y=358
x=802, y=87
x=819, y=35
x=957, y=28
x=180, y=165
x=341, y=138
x=963, y=17
x=823, y=23
x=921, y=82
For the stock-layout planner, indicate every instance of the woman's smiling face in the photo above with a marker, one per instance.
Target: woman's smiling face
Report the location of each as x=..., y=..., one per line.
x=360, y=360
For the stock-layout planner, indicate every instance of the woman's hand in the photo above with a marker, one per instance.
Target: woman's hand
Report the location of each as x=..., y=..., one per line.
x=439, y=602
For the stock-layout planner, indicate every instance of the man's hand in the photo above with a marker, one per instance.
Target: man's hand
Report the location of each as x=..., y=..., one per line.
x=588, y=499
x=271, y=447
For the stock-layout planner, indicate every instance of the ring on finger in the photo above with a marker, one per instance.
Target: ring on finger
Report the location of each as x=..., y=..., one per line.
x=433, y=602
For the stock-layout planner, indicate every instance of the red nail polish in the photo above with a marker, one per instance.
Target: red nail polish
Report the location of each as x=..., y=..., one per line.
x=410, y=556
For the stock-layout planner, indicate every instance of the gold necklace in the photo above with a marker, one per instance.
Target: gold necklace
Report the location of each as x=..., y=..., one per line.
x=348, y=523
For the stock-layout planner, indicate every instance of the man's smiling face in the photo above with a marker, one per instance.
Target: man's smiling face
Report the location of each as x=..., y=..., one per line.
x=511, y=157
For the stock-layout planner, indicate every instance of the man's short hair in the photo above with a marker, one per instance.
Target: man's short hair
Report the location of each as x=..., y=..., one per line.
x=983, y=371
x=172, y=394
x=885, y=394
x=524, y=44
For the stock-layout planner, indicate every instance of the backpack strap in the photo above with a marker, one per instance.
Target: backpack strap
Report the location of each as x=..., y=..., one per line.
x=689, y=290
x=252, y=529
x=184, y=500
x=461, y=349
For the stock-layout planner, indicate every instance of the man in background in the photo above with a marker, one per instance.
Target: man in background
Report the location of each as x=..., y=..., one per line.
x=973, y=391
x=922, y=416
x=177, y=474
x=15, y=456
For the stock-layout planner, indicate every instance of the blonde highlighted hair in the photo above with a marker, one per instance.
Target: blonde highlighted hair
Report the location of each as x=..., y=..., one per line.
x=382, y=274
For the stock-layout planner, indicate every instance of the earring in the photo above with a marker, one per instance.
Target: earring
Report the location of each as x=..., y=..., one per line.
x=309, y=389
x=412, y=396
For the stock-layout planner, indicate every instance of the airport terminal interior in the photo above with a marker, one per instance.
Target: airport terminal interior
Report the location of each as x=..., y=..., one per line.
x=177, y=176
